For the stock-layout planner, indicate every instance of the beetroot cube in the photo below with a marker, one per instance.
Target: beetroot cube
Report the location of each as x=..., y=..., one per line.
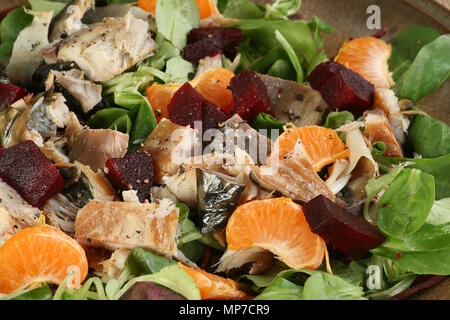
x=344, y=231
x=250, y=95
x=27, y=170
x=134, y=171
x=207, y=42
x=342, y=88
x=212, y=115
x=230, y=38
x=10, y=94
x=201, y=49
x=188, y=106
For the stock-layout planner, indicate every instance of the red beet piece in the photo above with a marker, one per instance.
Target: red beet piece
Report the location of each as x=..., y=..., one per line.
x=134, y=171
x=188, y=106
x=344, y=231
x=249, y=95
x=26, y=169
x=204, y=42
x=10, y=94
x=342, y=88
x=212, y=115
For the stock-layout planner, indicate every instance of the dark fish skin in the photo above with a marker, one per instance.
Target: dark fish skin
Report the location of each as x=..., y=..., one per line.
x=294, y=102
x=217, y=197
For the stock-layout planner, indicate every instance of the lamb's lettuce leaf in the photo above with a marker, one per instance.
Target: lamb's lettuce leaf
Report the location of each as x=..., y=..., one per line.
x=405, y=205
x=175, y=18
x=429, y=137
x=430, y=69
x=10, y=27
x=406, y=45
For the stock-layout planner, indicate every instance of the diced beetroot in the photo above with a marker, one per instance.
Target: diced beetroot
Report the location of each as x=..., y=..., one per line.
x=212, y=115
x=9, y=94
x=26, y=169
x=188, y=106
x=201, y=49
x=134, y=171
x=204, y=42
x=344, y=231
x=342, y=88
x=250, y=95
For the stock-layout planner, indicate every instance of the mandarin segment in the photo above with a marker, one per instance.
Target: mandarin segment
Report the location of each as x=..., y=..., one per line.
x=369, y=58
x=322, y=145
x=206, y=7
x=40, y=254
x=277, y=225
x=212, y=286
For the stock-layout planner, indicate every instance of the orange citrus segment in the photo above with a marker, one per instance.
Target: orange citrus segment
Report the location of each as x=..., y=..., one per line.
x=40, y=254
x=277, y=225
x=213, y=86
x=369, y=58
x=159, y=96
x=207, y=7
x=212, y=286
x=322, y=145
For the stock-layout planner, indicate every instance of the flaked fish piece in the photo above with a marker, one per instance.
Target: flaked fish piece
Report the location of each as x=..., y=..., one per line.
x=68, y=19
x=385, y=99
x=7, y=229
x=169, y=145
x=378, y=128
x=86, y=92
x=293, y=177
x=25, y=57
x=294, y=102
x=93, y=147
x=105, y=49
x=100, y=186
x=259, y=259
x=116, y=225
x=48, y=114
x=244, y=137
x=23, y=214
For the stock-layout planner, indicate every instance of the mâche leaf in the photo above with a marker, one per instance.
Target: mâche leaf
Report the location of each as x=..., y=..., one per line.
x=405, y=47
x=430, y=69
x=175, y=18
x=430, y=137
x=405, y=205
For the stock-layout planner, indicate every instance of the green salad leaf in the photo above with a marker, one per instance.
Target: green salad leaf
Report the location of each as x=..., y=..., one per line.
x=405, y=205
x=430, y=137
x=141, y=262
x=430, y=262
x=172, y=277
x=282, y=9
x=337, y=119
x=440, y=212
x=175, y=18
x=325, y=286
x=281, y=289
x=405, y=47
x=43, y=292
x=46, y=5
x=10, y=27
x=430, y=69
x=240, y=9
x=439, y=168
x=292, y=55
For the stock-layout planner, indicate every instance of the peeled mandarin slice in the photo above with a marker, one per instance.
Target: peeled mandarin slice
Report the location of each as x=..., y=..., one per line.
x=277, y=225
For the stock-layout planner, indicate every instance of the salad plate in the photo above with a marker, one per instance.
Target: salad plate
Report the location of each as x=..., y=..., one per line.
x=224, y=149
